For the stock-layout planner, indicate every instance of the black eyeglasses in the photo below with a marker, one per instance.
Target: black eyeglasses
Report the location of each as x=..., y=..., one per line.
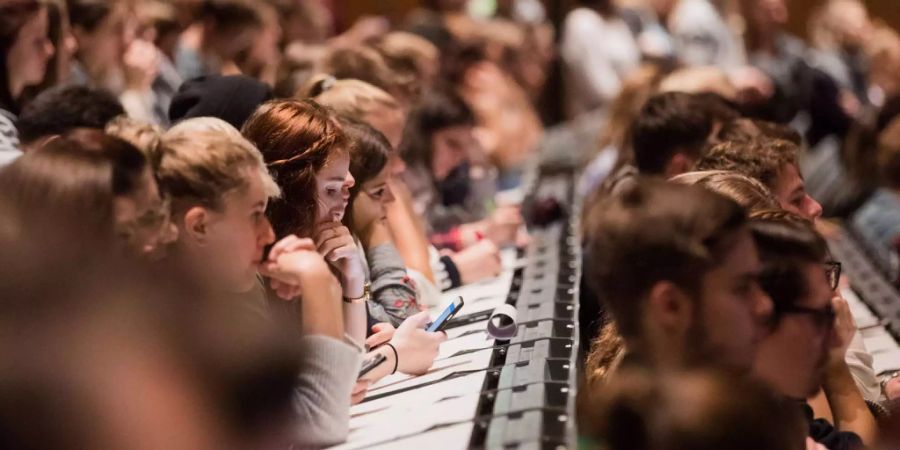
x=833, y=273
x=823, y=318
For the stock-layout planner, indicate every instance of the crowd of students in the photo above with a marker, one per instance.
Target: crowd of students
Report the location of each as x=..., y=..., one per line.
x=213, y=211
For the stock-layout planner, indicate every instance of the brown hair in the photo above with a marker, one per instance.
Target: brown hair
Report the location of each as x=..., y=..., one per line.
x=365, y=63
x=636, y=90
x=786, y=242
x=889, y=154
x=751, y=129
x=204, y=166
x=762, y=159
x=74, y=179
x=607, y=351
x=143, y=135
x=14, y=15
x=655, y=231
x=369, y=153
x=296, y=138
x=406, y=52
x=351, y=98
x=696, y=410
x=746, y=191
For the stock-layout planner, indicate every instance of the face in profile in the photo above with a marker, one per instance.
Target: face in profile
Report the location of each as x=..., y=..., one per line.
x=235, y=237
x=450, y=148
x=32, y=49
x=370, y=205
x=790, y=190
x=794, y=354
x=734, y=309
x=333, y=183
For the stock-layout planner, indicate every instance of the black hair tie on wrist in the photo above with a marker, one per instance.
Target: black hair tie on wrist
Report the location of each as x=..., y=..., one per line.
x=396, y=357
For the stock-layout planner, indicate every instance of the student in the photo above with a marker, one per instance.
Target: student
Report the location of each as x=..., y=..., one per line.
x=86, y=178
x=366, y=216
x=362, y=101
x=223, y=31
x=773, y=163
x=669, y=135
x=232, y=98
x=811, y=329
x=65, y=108
x=219, y=188
x=677, y=267
x=599, y=53
x=307, y=151
x=25, y=50
x=877, y=220
x=438, y=147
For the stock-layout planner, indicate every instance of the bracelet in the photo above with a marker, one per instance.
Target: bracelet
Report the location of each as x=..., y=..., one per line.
x=367, y=293
x=396, y=356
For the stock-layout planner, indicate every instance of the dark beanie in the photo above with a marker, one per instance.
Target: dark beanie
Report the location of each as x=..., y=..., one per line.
x=231, y=98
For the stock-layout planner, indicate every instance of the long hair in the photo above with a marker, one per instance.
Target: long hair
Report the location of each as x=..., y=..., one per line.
x=369, y=153
x=296, y=138
x=13, y=16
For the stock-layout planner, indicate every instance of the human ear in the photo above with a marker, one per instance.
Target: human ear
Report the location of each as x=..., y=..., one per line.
x=669, y=308
x=679, y=164
x=196, y=223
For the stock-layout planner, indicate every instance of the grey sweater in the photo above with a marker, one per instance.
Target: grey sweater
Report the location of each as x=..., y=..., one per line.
x=327, y=375
x=394, y=295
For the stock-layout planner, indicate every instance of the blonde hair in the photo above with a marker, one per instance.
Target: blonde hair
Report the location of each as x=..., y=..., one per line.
x=695, y=80
x=205, y=165
x=747, y=192
x=200, y=124
x=143, y=135
x=401, y=48
x=352, y=98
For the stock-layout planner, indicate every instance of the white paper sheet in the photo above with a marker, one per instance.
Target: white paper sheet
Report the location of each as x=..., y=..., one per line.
x=441, y=369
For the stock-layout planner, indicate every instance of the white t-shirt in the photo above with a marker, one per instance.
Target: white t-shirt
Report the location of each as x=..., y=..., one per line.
x=9, y=138
x=598, y=53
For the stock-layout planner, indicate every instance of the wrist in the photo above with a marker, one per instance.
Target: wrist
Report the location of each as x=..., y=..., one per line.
x=836, y=370
x=363, y=297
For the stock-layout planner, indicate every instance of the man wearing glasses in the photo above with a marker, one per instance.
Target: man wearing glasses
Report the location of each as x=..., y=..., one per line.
x=811, y=328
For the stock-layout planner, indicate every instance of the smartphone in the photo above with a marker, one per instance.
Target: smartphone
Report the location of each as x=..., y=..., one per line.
x=370, y=364
x=446, y=315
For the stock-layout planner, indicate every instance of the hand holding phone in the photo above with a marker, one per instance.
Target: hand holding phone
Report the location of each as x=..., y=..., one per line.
x=449, y=312
x=370, y=364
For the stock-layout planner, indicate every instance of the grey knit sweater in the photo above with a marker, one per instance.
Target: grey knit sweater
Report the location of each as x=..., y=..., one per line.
x=327, y=375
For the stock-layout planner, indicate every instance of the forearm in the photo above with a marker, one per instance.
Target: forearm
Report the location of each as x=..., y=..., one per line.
x=321, y=310
x=412, y=245
x=355, y=321
x=322, y=395
x=847, y=405
x=391, y=287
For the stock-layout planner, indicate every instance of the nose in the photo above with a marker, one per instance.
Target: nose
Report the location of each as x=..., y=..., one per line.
x=267, y=234
x=813, y=208
x=762, y=305
x=388, y=195
x=49, y=48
